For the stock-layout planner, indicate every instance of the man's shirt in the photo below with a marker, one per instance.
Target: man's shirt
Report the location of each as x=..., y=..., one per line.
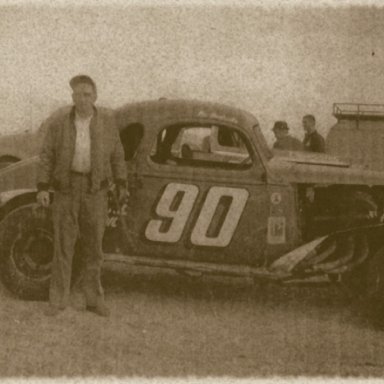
x=82, y=156
x=314, y=142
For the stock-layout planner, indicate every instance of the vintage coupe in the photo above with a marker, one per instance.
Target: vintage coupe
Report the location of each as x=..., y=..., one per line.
x=206, y=195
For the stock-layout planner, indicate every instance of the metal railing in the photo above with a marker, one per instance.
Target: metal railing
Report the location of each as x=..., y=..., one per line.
x=357, y=110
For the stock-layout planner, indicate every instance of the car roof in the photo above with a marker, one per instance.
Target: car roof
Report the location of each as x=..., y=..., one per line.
x=171, y=111
x=179, y=109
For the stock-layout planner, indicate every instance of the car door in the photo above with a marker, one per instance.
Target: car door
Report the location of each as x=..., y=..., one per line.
x=197, y=204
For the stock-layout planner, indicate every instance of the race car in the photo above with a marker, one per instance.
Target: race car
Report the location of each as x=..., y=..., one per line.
x=247, y=212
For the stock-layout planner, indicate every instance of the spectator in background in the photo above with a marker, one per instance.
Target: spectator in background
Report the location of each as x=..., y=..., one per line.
x=284, y=140
x=313, y=141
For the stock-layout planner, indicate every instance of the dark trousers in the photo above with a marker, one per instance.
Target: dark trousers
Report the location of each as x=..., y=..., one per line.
x=78, y=215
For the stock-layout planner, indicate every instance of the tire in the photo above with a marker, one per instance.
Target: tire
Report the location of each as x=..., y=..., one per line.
x=27, y=251
x=375, y=288
x=355, y=282
x=366, y=283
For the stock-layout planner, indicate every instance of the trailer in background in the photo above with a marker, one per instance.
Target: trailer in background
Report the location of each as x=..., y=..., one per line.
x=358, y=135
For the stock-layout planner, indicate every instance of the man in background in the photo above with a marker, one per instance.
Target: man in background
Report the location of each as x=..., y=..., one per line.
x=284, y=141
x=81, y=155
x=313, y=141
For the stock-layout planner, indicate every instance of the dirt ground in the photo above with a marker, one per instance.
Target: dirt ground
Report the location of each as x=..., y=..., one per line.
x=164, y=324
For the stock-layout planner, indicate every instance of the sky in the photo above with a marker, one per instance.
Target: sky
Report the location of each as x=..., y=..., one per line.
x=278, y=62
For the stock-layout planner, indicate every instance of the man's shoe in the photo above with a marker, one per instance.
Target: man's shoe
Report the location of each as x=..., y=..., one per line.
x=100, y=309
x=53, y=311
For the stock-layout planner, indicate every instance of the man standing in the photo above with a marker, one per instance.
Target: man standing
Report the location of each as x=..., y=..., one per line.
x=313, y=141
x=284, y=140
x=80, y=156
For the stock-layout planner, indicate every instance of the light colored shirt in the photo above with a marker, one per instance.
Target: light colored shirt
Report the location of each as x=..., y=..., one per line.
x=82, y=157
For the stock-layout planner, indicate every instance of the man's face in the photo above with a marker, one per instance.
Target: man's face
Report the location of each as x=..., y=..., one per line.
x=84, y=97
x=308, y=125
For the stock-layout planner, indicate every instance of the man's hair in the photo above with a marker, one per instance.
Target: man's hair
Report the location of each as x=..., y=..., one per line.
x=82, y=79
x=310, y=117
x=280, y=126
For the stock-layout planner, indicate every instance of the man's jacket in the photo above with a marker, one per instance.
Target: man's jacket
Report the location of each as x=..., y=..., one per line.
x=314, y=142
x=107, y=154
x=288, y=143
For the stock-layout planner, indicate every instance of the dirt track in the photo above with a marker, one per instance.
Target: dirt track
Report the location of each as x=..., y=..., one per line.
x=163, y=324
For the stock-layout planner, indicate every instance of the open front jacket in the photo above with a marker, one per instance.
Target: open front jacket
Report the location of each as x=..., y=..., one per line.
x=107, y=154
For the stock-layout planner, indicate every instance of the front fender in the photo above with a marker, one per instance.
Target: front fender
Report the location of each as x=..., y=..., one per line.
x=19, y=176
x=7, y=196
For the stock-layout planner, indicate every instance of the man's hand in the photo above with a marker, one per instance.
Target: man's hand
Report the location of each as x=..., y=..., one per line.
x=122, y=194
x=43, y=199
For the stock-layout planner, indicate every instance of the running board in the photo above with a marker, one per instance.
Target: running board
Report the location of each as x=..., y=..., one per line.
x=202, y=267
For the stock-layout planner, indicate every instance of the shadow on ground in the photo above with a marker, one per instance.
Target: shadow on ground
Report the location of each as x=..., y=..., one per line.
x=166, y=324
x=120, y=280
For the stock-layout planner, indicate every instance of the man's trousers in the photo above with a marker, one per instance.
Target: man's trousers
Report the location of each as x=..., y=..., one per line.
x=78, y=215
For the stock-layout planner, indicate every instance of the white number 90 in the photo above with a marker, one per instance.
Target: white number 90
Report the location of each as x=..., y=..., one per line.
x=215, y=224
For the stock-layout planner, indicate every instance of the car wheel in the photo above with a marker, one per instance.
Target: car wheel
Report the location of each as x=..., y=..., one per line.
x=27, y=251
x=366, y=283
x=375, y=288
x=354, y=282
x=361, y=205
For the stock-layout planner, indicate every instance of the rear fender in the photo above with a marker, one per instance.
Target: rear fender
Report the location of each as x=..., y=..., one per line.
x=336, y=253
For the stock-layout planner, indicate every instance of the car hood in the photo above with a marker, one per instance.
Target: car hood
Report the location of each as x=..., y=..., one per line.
x=318, y=168
x=19, y=145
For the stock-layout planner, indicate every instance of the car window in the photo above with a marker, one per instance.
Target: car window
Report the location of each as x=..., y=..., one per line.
x=130, y=138
x=210, y=145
